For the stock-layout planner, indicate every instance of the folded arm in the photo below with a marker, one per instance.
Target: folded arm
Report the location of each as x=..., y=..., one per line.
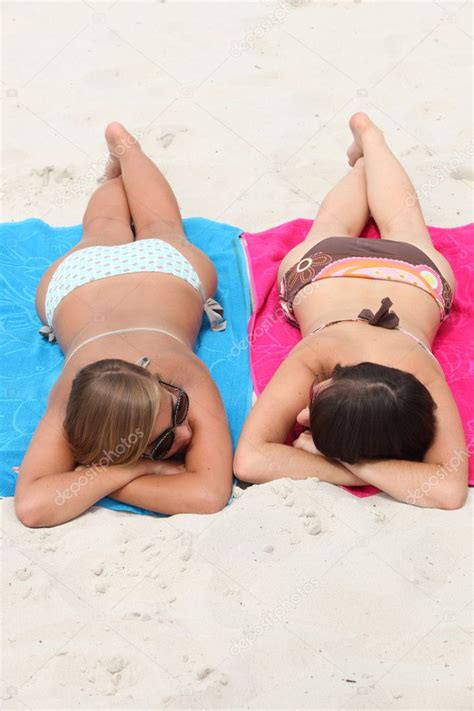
x=261, y=453
x=50, y=491
x=204, y=483
x=438, y=482
x=268, y=461
x=441, y=486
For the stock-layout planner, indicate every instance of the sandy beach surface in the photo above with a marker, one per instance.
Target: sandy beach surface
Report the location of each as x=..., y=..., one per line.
x=297, y=595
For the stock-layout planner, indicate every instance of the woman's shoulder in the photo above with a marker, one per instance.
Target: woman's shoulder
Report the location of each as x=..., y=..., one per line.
x=317, y=352
x=181, y=367
x=59, y=394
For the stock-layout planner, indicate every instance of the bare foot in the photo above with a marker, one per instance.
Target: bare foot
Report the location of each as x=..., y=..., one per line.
x=118, y=140
x=358, y=123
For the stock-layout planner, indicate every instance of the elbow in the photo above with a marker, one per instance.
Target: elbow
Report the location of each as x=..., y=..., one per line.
x=449, y=495
x=212, y=501
x=28, y=514
x=32, y=511
x=211, y=505
x=453, y=500
x=209, y=496
x=247, y=466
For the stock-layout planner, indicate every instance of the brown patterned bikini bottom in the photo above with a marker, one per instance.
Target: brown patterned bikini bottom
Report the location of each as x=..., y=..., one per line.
x=365, y=258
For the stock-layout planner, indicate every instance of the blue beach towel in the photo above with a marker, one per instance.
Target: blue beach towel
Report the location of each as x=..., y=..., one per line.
x=30, y=365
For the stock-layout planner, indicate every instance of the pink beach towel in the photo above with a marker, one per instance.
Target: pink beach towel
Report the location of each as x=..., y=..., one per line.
x=272, y=337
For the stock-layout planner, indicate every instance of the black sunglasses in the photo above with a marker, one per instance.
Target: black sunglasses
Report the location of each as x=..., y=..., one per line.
x=165, y=440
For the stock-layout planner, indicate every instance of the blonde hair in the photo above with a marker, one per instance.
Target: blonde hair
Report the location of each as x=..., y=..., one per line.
x=111, y=412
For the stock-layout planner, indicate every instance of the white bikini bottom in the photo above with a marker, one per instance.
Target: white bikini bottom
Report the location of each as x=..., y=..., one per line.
x=99, y=262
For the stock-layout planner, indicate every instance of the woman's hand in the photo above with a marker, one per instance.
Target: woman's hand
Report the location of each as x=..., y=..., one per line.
x=305, y=442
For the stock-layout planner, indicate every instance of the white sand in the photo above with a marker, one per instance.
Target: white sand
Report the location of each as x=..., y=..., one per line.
x=244, y=105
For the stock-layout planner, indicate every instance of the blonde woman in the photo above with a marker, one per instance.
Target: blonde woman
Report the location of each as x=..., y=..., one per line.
x=135, y=414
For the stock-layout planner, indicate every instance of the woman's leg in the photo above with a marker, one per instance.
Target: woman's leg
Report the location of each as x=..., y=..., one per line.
x=391, y=195
x=153, y=205
x=106, y=222
x=392, y=198
x=344, y=211
x=107, y=217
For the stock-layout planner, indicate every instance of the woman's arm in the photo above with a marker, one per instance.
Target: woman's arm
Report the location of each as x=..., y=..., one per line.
x=180, y=493
x=275, y=461
x=441, y=480
x=49, y=491
x=261, y=453
x=205, y=484
x=439, y=486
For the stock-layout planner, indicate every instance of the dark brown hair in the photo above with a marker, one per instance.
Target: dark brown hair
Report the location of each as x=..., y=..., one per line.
x=370, y=411
x=111, y=412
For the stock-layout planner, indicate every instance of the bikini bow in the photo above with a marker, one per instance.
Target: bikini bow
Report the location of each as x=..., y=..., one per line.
x=48, y=333
x=383, y=317
x=215, y=314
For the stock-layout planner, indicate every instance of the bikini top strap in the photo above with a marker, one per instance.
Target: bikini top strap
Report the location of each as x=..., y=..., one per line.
x=333, y=323
x=121, y=330
x=381, y=318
